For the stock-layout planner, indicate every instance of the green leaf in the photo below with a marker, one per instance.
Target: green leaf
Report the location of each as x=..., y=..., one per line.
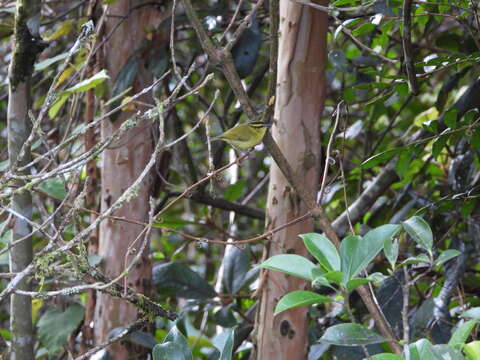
x=334, y=276
x=363, y=29
x=142, y=338
x=472, y=350
x=299, y=298
x=5, y=334
x=176, y=337
x=446, y=255
x=445, y=352
x=421, y=350
x=54, y=187
x=354, y=283
x=460, y=336
x=385, y=356
x=290, y=264
x=224, y=343
x=420, y=231
x=235, y=191
x=56, y=325
x=475, y=139
x=82, y=86
x=473, y=313
x=47, y=62
x=416, y=260
x=323, y=250
x=357, y=252
x=403, y=162
x=236, y=263
x=450, y=118
x=57, y=105
x=89, y=83
x=439, y=144
x=177, y=279
x=350, y=335
x=168, y=351
x=379, y=158
x=390, y=249
x=343, y=2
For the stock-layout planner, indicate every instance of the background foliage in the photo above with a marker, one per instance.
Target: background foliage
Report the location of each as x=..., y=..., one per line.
x=424, y=148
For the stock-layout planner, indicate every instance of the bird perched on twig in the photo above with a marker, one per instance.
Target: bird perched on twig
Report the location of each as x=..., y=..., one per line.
x=244, y=136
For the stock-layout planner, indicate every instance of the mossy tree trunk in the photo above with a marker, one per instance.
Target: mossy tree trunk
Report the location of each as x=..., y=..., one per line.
x=26, y=46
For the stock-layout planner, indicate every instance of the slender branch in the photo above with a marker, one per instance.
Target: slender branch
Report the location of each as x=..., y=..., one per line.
x=122, y=335
x=407, y=46
x=329, y=149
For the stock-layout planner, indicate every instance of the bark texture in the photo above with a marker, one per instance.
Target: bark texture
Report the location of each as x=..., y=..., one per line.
x=26, y=46
x=121, y=165
x=299, y=106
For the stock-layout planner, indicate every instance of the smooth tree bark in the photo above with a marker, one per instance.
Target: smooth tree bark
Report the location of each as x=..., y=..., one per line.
x=26, y=46
x=298, y=108
x=122, y=163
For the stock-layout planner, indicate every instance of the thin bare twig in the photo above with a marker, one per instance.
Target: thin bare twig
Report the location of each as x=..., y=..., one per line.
x=328, y=158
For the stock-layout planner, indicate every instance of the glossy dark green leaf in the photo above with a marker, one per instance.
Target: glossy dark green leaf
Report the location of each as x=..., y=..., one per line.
x=168, y=351
x=126, y=75
x=420, y=231
x=356, y=282
x=403, y=162
x=350, y=335
x=461, y=334
x=235, y=191
x=446, y=256
x=343, y=2
x=450, y=118
x=421, y=350
x=236, y=264
x=323, y=250
x=142, y=338
x=179, y=280
x=245, y=51
x=56, y=325
x=357, y=252
x=175, y=336
x=224, y=343
x=363, y=29
x=299, y=298
x=390, y=249
x=54, y=187
x=290, y=264
x=386, y=356
x=446, y=352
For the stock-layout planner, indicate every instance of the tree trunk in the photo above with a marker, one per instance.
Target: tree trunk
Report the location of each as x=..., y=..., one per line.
x=121, y=165
x=26, y=46
x=299, y=106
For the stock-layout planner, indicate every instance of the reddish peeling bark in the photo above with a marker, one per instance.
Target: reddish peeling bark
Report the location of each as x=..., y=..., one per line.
x=299, y=106
x=121, y=165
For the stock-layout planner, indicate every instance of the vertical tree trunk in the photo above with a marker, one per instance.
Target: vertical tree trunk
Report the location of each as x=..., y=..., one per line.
x=299, y=106
x=121, y=165
x=26, y=46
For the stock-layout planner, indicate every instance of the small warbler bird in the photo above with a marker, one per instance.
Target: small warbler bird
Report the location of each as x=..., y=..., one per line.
x=244, y=136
